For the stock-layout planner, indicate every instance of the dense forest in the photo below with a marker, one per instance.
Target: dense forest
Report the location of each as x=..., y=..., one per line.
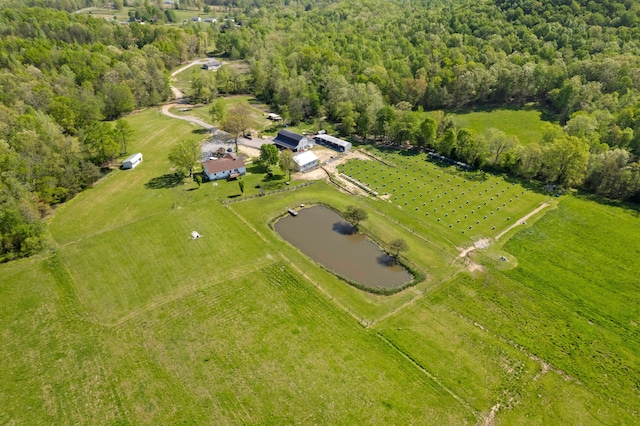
x=380, y=70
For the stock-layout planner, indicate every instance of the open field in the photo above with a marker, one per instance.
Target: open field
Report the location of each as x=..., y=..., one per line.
x=460, y=206
x=128, y=320
x=526, y=124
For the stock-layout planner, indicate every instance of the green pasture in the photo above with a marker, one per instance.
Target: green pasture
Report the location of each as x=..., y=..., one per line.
x=573, y=301
x=129, y=320
x=182, y=80
x=108, y=14
x=460, y=206
x=124, y=196
x=261, y=347
x=527, y=124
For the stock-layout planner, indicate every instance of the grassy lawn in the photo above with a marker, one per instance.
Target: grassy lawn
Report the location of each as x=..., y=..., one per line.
x=54, y=368
x=526, y=124
x=266, y=348
x=128, y=195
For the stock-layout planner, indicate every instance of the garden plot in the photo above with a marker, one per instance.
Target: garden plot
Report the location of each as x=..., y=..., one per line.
x=456, y=202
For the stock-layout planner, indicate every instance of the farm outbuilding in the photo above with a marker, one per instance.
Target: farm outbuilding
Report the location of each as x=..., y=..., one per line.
x=227, y=167
x=212, y=65
x=305, y=161
x=132, y=161
x=332, y=142
x=293, y=141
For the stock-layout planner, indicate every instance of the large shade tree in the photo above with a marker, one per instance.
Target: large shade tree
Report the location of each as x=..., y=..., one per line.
x=354, y=215
x=238, y=120
x=184, y=155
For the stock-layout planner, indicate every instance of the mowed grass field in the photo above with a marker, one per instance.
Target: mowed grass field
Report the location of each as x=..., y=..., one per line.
x=128, y=320
x=459, y=206
x=527, y=124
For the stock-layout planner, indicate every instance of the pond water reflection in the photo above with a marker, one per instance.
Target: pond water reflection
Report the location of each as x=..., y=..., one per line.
x=327, y=238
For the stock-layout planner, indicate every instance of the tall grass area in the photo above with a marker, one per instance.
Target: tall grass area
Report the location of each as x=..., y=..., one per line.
x=527, y=124
x=573, y=301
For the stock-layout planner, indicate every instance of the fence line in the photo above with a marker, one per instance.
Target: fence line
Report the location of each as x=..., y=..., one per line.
x=263, y=194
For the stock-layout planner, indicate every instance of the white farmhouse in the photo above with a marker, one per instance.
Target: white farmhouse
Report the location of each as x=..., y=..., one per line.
x=227, y=167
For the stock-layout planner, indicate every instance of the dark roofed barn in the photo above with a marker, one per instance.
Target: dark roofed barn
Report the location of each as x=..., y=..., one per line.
x=293, y=141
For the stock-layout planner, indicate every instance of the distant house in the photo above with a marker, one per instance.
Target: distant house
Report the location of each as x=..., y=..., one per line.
x=132, y=161
x=332, y=142
x=227, y=167
x=196, y=19
x=305, y=161
x=274, y=117
x=210, y=20
x=212, y=65
x=293, y=141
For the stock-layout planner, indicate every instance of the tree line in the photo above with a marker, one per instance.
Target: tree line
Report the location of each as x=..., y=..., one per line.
x=61, y=76
x=373, y=68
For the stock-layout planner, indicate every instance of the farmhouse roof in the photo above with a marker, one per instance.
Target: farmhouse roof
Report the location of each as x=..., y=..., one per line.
x=288, y=139
x=305, y=158
x=226, y=163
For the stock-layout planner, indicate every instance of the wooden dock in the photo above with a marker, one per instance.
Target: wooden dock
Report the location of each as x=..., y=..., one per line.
x=292, y=212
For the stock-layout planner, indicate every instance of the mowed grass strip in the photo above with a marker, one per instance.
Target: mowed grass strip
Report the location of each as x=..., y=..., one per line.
x=268, y=348
x=573, y=300
x=130, y=268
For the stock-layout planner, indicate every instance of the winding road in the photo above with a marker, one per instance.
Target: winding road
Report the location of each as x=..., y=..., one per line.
x=180, y=101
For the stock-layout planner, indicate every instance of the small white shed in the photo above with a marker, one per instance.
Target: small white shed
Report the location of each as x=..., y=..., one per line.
x=306, y=161
x=132, y=161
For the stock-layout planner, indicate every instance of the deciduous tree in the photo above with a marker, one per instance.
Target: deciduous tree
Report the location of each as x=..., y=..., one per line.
x=286, y=162
x=354, y=215
x=238, y=119
x=184, y=155
x=268, y=155
x=397, y=246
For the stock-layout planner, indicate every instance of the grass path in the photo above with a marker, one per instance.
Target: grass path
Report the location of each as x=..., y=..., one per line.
x=522, y=219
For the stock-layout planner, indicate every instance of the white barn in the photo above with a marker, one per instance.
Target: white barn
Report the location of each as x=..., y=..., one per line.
x=132, y=161
x=305, y=161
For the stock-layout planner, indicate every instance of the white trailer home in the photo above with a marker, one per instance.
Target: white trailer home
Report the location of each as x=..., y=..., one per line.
x=132, y=161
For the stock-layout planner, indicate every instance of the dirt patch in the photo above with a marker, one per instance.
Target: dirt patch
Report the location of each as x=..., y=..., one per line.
x=249, y=151
x=480, y=244
x=330, y=161
x=475, y=267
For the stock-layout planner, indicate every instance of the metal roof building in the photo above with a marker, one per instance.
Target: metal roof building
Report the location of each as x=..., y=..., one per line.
x=333, y=142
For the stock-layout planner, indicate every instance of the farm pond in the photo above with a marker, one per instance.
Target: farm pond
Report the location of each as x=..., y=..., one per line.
x=327, y=238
